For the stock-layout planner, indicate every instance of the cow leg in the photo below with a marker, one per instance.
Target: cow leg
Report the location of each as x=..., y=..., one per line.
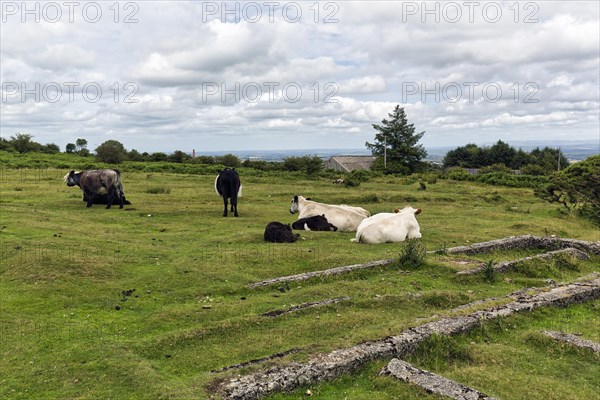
x=224, y=206
x=110, y=195
x=121, y=197
x=234, y=205
x=89, y=196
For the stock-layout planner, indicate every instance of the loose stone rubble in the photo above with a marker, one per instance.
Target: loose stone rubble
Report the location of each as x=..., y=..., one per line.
x=333, y=364
x=506, y=266
x=573, y=340
x=432, y=383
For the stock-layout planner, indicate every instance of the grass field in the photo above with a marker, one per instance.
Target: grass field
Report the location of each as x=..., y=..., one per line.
x=142, y=303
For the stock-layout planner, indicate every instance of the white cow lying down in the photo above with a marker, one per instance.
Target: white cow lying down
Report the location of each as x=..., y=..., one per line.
x=389, y=227
x=345, y=218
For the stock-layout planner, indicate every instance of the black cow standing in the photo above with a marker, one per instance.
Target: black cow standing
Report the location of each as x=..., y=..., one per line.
x=228, y=185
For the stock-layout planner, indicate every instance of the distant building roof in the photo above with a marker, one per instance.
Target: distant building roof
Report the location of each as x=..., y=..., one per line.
x=350, y=163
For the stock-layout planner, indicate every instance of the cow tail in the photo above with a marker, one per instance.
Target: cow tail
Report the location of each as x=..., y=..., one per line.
x=217, y=185
x=356, y=239
x=119, y=184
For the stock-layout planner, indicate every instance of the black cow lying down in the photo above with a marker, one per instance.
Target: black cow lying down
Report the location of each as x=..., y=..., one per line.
x=314, y=223
x=103, y=199
x=280, y=233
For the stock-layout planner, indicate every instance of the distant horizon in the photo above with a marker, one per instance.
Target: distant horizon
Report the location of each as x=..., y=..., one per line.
x=574, y=150
x=513, y=143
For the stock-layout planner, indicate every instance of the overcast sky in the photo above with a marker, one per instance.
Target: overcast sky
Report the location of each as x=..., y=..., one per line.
x=162, y=76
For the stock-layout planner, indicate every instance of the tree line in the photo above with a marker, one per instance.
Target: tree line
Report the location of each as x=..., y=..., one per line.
x=114, y=152
x=536, y=162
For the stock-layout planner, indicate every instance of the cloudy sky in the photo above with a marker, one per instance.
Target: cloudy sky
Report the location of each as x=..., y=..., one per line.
x=161, y=76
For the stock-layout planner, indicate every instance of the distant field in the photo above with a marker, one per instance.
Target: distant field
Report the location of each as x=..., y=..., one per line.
x=142, y=303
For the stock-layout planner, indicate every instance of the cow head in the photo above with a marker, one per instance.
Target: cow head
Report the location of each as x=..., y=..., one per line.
x=294, y=207
x=72, y=178
x=408, y=210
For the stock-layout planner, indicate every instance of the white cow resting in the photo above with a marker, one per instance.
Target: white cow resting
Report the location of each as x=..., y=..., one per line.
x=345, y=218
x=389, y=227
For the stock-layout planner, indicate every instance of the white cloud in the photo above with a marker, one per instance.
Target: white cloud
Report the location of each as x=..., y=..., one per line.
x=367, y=57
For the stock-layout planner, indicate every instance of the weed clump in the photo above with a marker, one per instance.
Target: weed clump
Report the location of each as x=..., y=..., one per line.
x=489, y=274
x=412, y=254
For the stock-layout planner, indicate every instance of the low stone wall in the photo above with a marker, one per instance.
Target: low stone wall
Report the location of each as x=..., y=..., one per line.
x=573, y=340
x=527, y=242
x=432, y=383
x=338, y=362
x=326, y=302
x=327, y=272
x=506, y=266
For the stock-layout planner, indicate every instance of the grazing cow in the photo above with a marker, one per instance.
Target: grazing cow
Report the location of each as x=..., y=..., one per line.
x=227, y=185
x=280, y=233
x=95, y=182
x=345, y=218
x=338, y=181
x=315, y=223
x=389, y=227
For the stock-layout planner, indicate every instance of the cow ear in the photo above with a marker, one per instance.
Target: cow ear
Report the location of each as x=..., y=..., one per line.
x=72, y=172
x=418, y=211
x=396, y=210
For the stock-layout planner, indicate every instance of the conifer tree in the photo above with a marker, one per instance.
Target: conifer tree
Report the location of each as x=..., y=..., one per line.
x=397, y=142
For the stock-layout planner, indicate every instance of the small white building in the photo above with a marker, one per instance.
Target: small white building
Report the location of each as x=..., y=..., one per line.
x=350, y=163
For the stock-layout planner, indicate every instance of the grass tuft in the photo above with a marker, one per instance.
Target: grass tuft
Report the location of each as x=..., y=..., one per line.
x=158, y=190
x=412, y=254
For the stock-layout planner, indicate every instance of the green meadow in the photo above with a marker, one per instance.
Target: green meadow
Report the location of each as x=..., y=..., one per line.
x=144, y=302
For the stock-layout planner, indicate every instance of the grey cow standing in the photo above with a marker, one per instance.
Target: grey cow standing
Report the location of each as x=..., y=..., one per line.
x=97, y=182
